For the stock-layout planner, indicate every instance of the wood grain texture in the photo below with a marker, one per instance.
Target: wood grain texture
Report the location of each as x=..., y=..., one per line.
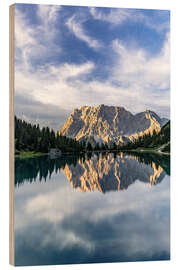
x=11, y=135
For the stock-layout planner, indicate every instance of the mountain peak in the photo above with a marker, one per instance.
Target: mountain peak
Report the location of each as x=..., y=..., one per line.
x=109, y=106
x=102, y=105
x=109, y=124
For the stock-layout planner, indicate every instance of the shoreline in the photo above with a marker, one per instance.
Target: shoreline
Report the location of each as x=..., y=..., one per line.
x=29, y=154
x=32, y=154
x=150, y=151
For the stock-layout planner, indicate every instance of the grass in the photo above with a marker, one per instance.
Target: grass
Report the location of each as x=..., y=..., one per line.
x=27, y=154
x=149, y=150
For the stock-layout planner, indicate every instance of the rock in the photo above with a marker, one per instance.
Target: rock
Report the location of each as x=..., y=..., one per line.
x=109, y=124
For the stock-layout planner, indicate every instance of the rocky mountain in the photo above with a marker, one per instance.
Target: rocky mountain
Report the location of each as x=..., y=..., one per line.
x=164, y=138
x=108, y=124
x=159, y=141
x=165, y=133
x=111, y=173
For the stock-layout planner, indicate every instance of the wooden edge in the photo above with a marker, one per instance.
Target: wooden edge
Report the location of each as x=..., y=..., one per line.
x=11, y=134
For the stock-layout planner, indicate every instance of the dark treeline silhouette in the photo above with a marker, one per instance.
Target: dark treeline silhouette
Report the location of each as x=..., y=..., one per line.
x=30, y=137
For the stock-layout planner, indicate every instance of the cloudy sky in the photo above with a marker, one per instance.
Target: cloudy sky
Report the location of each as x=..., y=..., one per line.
x=67, y=56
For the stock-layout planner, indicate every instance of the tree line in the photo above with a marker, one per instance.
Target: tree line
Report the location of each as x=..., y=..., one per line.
x=152, y=140
x=29, y=137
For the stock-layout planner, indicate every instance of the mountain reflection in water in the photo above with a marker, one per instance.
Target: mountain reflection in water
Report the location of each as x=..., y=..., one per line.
x=57, y=224
x=110, y=173
x=98, y=171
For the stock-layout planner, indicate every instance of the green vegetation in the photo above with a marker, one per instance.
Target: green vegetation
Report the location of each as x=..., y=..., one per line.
x=152, y=142
x=167, y=148
x=27, y=154
x=32, y=140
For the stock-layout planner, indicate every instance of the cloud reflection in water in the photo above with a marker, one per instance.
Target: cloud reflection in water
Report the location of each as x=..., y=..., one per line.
x=55, y=224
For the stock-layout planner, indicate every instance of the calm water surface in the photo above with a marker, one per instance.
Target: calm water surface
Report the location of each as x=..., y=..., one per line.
x=92, y=208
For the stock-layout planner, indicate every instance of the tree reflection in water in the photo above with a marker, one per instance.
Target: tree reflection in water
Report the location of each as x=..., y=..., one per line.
x=103, y=171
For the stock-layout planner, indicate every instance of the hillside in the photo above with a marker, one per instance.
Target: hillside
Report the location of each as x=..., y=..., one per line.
x=165, y=137
x=159, y=141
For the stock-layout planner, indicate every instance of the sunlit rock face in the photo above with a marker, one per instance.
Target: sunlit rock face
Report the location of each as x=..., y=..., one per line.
x=110, y=124
x=111, y=173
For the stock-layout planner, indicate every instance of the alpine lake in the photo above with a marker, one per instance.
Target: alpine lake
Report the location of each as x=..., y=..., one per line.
x=92, y=208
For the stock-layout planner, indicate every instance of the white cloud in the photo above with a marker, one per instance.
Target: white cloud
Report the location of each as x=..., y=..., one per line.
x=134, y=66
x=48, y=203
x=117, y=16
x=23, y=37
x=133, y=76
x=47, y=28
x=76, y=27
x=48, y=13
x=33, y=43
x=50, y=85
x=71, y=70
x=49, y=207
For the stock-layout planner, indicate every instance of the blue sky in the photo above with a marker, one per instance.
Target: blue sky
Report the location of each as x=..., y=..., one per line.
x=67, y=56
